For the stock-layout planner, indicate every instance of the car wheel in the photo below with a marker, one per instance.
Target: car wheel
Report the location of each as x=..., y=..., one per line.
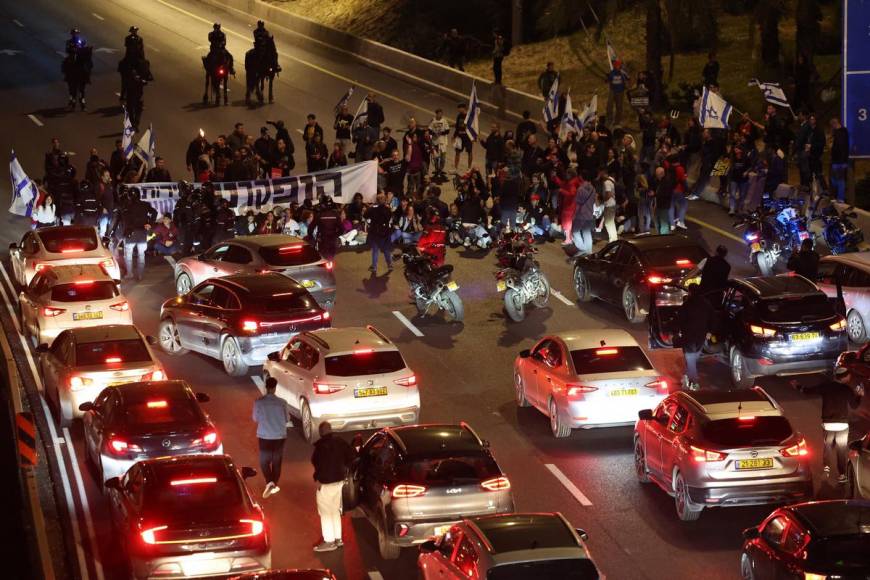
x=231, y=356
x=746, y=572
x=183, y=284
x=633, y=311
x=640, y=462
x=514, y=306
x=309, y=425
x=169, y=339
x=581, y=285
x=520, y=391
x=855, y=327
x=388, y=550
x=557, y=427
x=739, y=377
x=686, y=511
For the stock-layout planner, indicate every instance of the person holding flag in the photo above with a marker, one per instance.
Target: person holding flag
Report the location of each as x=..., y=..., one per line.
x=465, y=130
x=714, y=110
x=569, y=121
x=551, y=107
x=26, y=195
x=616, y=80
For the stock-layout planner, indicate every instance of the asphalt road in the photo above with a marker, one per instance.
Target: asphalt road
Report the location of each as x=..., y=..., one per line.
x=465, y=370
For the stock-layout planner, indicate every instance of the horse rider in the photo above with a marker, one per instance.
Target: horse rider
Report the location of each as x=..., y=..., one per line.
x=217, y=40
x=260, y=33
x=134, y=46
x=76, y=68
x=74, y=43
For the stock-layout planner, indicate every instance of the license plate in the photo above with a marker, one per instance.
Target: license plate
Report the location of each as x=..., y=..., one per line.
x=88, y=315
x=440, y=530
x=501, y=285
x=452, y=286
x=766, y=463
x=623, y=392
x=756, y=247
x=370, y=392
x=802, y=336
x=693, y=280
x=308, y=284
x=201, y=567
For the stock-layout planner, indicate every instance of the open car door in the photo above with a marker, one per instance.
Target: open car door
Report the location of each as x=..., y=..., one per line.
x=663, y=324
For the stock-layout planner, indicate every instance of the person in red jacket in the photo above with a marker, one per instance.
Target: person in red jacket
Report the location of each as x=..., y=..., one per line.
x=567, y=196
x=433, y=242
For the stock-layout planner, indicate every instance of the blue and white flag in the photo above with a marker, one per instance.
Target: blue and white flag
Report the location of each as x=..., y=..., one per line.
x=472, y=117
x=589, y=112
x=714, y=111
x=24, y=191
x=773, y=93
x=127, y=137
x=551, y=105
x=569, y=122
x=611, y=53
x=343, y=100
x=146, y=147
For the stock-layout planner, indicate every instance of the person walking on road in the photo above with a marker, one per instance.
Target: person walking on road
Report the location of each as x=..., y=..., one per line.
x=271, y=413
x=378, y=217
x=837, y=398
x=695, y=319
x=499, y=51
x=331, y=460
x=806, y=262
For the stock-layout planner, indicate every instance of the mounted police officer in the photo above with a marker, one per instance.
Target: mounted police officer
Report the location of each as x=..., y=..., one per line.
x=217, y=40
x=76, y=68
x=134, y=46
x=260, y=33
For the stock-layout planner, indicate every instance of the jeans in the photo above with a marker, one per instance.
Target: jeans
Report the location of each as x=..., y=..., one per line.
x=329, y=509
x=615, y=99
x=836, y=449
x=440, y=158
x=737, y=195
x=644, y=213
x=663, y=217
x=496, y=68
x=838, y=179
x=271, y=455
x=165, y=250
x=680, y=205
x=692, y=364
x=582, y=236
x=381, y=245
x=128, y=257
x=703, y=180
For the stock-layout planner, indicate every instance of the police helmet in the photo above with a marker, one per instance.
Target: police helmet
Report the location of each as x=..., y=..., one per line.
x=134, y=29
x=261, y=24
x=74, y=31
x=217, y=26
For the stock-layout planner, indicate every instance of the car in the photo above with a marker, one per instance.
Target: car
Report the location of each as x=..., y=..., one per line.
x=516, y=546
x=136, y=421
x=64, y=297
x=768, y=326
x=59, y=246
x=858, y=468
x=629, y=272
x=354, y=377
x=81, y=362
x=288, y=255
x=811, y=541
x=416, y=481
x=239, y=319
x=852, y=273
x=288, y=574
x=584, y=379
x=189, y=516
x=716, y=448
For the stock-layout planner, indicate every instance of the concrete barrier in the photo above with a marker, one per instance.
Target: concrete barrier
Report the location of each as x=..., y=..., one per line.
x=435, y=76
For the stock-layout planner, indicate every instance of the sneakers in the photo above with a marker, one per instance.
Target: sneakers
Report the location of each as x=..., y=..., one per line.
x=271, y=489
x=339, y=543
x=325, y=547
x=680, y=225
x=827, y=471
x=694, y=197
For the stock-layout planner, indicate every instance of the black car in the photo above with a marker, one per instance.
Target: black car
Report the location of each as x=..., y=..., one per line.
x=629, y=272
x=239, y=319
x=812, y=541
x=190, y=515
x=136, y=421
x=768, y=325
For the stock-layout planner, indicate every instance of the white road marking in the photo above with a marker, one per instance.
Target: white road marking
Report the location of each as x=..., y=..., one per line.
x=171, y=261
x=408, y=324
x=561, y=297
x=97, y=16
x=17, y=23
x=375, y=575
x=258, y=382
x=83, y=496
x=118, y=95
x=106, y=50
x=154, y=49
x=59, y=53
x=569, y=485
x=35, y=120
x=9, y=52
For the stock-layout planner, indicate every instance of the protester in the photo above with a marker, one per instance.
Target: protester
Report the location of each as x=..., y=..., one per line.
x=378, y=217
x=271, y=414
x=45, y=213
x=331, y=460
x=839, y=158
x=546, y=79
x=617, y=81
x=838, y=398
x=166, y=237
x=695, y=320
x=805, y=262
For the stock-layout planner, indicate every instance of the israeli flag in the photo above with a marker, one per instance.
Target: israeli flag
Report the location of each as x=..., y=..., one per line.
x=611, y=53
x=569, y=122
x=127, y=137
x=24, y=191
x=773, y=93
x=146, y=147
x=343, y=100
x=551, y=105
x=589, y=113
x=472, y=117
x=714, y=111
x=362, y=112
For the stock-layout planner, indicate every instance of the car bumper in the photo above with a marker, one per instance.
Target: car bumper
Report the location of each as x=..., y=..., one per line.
x=785, y=492
x=201, y=565
x=606, y=413
x=791, y=367
x=256, y=349
x=411, y=533
x=370, y=419
x=48, y=330
x=117, y=467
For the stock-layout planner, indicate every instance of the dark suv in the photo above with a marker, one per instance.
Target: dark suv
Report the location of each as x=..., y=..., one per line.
x=415, y=482
x=239, y=319
x=769, y=325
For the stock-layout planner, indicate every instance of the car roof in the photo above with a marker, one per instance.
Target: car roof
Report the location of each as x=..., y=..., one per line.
x=783, y=284
x=436, y=438
x=87, y=334
x=833, y=517
x=266, y=284
x=860, y=260
x=138, y=392
x=77, y=273
x=266, y=240
x=643, y=243
x=718, y=404
x=524, y=531
x=583, y=339
x=350, y=338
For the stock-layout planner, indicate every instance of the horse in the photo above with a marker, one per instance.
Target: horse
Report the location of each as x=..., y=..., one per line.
x=218, y=64
x=261, y=64
x=76, y=69
x=133, y=63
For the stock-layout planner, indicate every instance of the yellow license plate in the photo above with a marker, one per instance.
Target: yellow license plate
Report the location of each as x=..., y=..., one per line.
x=501, y=285
x=452, y=286
x=693, y=280
x=766, y=463
x=88, y=315
x=623, y=392
x=440, y=530
x=756, y=247
x=308, y=284
x=370, y=392
x=800, y=336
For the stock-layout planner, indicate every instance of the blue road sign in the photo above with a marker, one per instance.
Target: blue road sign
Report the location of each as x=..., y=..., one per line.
x=856, y=75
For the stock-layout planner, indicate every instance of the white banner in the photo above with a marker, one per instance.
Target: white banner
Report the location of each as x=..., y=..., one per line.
x=340, y=183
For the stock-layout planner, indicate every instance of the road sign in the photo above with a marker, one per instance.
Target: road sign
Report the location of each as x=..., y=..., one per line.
x=856, y=75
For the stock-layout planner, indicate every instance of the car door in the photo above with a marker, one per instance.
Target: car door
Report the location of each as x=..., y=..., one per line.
x=669, y=442
x=653, y=431
x=618, y=274
x=533, y=368
x=465, y=560
x=236, y=259
x=290, y=383
x=856, y=294
x=378, y=473
x=597, y=267
x=93, y=423
x=215, y=318
x=127, y=501
x=551, y=377
x=439, y=565
x=768, y=547
x=31, y=301
x=18, y=256
x=53, y=362
x=730, y=329
x=862, y=468
x=189, y=316
x=214, y=264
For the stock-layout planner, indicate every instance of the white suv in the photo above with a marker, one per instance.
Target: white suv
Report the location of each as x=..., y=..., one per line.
x=355, y=378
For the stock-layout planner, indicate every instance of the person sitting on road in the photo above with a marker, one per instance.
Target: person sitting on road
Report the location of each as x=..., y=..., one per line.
x=166, y=237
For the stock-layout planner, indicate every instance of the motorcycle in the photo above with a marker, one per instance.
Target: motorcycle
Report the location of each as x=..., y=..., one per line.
x=838, y=231
x=791, y=228
x=761, y=236
x=431, y=287
x=520, y=276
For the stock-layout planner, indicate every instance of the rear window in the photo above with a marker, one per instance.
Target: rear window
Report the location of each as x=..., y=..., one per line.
x=297, y=254
x=668, y=257
x=84, y=292
x=567, y=569
x=449, y=470
x=747, y=433
x=194, y=492
x=70, y=240
x=275, y=304
x=797, y=309
x=840, y=553
x=371, y=363
x=99, y=353
x=158, y=412
x=607, y=359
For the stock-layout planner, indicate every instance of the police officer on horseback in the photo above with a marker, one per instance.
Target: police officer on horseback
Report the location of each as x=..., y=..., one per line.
x=217, y=40
x=74, y=43
x=134, y=46
x=76, y=68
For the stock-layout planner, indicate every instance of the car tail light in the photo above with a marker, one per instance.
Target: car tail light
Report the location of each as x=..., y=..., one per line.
x=656, y=280
x=762, y=331
x=329, y=265
x=157, y=404
x=123, y=306
x=77, y=382
x=39, y=267
x=839, y=326
x=811, y=576
x=50, y=311
x=706, y=455
x=496, y=484
x=407, y=381
x=326, y=315
x=660, y=385
x=606, y=351
x=192, y=481
x=406, y=490
x=799, y=449
x=106, y=264
x=364, y=351
x=290, y=249
x=573, y=390
x=257, y=526
x=118, y=446
x=683, y=262
x=149, y=535
x=158, y=375
x=113, y=360
x=747, y=418
x=250, y=325
x=326, y=388
x=71, y=249
x=209, y=440
x=83, y=283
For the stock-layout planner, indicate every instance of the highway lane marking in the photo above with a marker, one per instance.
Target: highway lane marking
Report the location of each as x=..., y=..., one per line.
x=375, y=575
x=59, y=53
x=97, y=16
x=408, y=324
x=17, y=23
x=569, y=485
x=83, y=497
x=561, y=297
x=36, y=120
x=171, y=261
x=258, y=382
x=155, y=49
x=118, y=95
x=718, y=230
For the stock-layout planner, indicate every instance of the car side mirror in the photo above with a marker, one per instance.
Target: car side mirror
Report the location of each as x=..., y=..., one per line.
x=582, y=533
x=429, y=547
x=202, y=398
x=645, y=415
x=273, y=356
x=856, y=445
x=13, y=246
x=42, y=348
x=248, y=472
x=751, y=533
x=525, y=353
x=113, y=483
x=151, y=340
x=86, y=406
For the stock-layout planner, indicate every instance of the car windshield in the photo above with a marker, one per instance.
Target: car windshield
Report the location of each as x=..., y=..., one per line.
x=364, y=363
x=68, y=240
x=449, y=469
x=284, y=302
x=194, y=492
x=84, y=292
x=565, y=569
x=298, y=254
x=112, y=352
x=590, y=361
x=162, y=413
x=797, y=308
x=680, y=256
x=747, y=431
x=841, y=552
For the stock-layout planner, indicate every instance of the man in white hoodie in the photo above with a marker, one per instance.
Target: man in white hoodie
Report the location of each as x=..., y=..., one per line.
x=440, y=128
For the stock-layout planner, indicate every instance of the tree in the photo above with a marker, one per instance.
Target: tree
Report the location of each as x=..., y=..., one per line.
x=808, y=17
x=691, y=24
x=654, y=50
x=768, y=14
